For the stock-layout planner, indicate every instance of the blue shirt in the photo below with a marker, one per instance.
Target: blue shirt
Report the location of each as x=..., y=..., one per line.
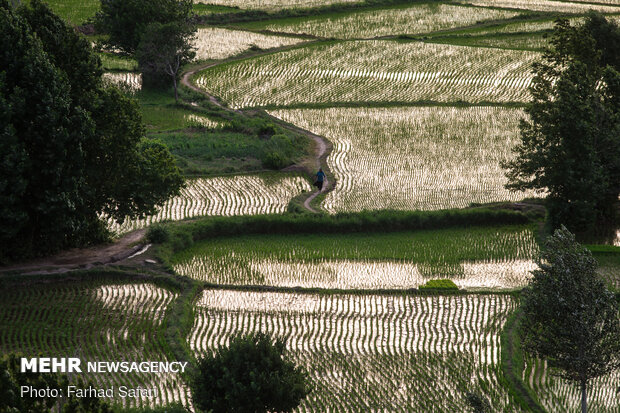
x=320, y=176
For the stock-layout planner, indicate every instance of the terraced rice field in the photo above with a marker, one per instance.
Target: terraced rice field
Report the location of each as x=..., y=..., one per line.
x=549, y=5
x=494, y=258
x=216, y=43
x=560, y=396
x=95, y=322
x=226, y=195
x=273, y=5
x=414, y=157
x=371, y=71
x=371, y=352
x=130, y=81
x=421, y=18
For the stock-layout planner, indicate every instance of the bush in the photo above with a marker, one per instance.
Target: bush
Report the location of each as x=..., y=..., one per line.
x=274, y=160
x=251, y=375
x=158, y=234
x=439, y=285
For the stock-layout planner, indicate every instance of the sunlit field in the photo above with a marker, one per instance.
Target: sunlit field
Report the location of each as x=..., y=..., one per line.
x=611, y=6
x=372, y=352
x=419, y=18
x=414, y=157
x=225, y=195
x=369, y=71
x=95, y=322
x=493, y=258
x=216, y=43
x=274, y=5
x=559, y=396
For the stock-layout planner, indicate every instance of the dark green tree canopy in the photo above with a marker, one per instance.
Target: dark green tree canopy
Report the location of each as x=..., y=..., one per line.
x=164, y=48
x=569, y=317
x=570, y=145
x=71, y=149
x=251, y=375
x=125, y=21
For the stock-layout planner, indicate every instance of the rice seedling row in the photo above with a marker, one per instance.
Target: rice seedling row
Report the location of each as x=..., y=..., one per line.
x=95, y=322
x=217, y=43
x=371, y=71
x=226, y=195
x=559, y=395
x=420, y=18
x=274, y=5
x=549, y=5
x=474, y=258
x=414, y=157
x=372, y=352
x=129, y=81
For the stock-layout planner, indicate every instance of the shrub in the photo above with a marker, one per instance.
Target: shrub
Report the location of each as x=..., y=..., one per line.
x=274, y=160
x=251, y=375
x=439, y=285
x=158, y=234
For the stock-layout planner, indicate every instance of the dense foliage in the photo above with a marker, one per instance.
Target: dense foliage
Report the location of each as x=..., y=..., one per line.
x=125, y=21
x=569, y=317
x=251, y=375
x=71, y=148
x=571, y=144
x=163, y=49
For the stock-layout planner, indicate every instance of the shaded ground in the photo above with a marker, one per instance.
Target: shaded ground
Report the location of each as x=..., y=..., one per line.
x=81, y=258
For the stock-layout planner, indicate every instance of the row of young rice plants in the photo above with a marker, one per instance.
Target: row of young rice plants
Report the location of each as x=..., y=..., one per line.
x=373, y=71
x=414, y=157
x=373, y=352
x=224, y=195
x=474, y=258
x=218, y=43
x=529, y=41
x=574, y=6
x=415, y=19
x=561, y=396
x=94, y=321
x=275, y=5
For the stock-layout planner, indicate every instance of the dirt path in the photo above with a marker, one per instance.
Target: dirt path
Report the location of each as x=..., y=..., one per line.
x=323, y=147
x=78, y=258
x=132, y=243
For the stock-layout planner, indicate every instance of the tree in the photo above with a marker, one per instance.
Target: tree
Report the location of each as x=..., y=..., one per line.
x=569, y=317
x=125, y=21
x=163, y=49
x=570, y=146
x=71, y=149
x=251, y=375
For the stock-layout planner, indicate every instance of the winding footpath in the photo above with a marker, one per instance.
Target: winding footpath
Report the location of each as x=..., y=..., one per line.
x=323, y=147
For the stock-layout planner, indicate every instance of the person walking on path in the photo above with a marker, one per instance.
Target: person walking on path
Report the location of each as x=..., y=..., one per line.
x=320, y=177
